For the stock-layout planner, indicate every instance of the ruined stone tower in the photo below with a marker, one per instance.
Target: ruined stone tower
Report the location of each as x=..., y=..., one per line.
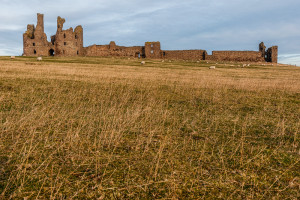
x=68, y=42
x=35, y=40
x=262, y=49
x=272, y=54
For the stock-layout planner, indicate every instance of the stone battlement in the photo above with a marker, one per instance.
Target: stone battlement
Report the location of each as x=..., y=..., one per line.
x=70, y=43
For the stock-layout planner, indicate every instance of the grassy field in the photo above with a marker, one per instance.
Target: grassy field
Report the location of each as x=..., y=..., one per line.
x=111, y=128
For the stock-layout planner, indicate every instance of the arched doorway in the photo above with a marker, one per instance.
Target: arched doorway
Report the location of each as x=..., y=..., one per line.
x=51, y=52
x=138, y=55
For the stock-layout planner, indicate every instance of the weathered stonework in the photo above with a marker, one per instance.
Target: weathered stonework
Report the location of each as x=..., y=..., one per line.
x=113, y=50
x=70, y=43
x=240, y=56
x=185, y=54
x=152, y=50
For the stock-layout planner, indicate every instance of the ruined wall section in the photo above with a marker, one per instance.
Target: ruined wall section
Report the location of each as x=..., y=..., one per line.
x=272, y=54
x=68, y=42
x=238, y=56
x=114, y=50
x=35, y=40
x=184, y=54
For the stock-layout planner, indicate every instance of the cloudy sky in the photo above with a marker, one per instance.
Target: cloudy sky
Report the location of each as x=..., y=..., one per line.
x=177, y=24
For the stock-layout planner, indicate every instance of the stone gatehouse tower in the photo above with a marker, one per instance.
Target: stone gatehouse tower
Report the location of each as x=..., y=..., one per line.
x=63, y=43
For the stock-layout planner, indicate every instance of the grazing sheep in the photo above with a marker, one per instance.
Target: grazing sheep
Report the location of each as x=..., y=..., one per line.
x=143, y=62
x=212, y=67
x=39, y=58
x=12, y=57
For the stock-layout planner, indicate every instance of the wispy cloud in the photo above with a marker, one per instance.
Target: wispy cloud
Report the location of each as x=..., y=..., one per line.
x=9, y=50
x=293, y=59
x=11, y=27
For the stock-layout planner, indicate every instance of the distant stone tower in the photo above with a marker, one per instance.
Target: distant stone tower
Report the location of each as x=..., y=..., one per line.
x=272, y=54
x=68, y=42
x=262, y=49
x=152, y=50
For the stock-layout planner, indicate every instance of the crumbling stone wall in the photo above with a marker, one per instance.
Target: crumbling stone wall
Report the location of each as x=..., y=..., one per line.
x=70, y=43
x=184, y=54
x=114, y=50
x=239, y=56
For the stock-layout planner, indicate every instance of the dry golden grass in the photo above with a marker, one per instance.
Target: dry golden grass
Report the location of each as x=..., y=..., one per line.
x=108, y=128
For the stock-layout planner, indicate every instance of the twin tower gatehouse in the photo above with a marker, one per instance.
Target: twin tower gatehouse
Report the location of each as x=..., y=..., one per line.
x=63, y=43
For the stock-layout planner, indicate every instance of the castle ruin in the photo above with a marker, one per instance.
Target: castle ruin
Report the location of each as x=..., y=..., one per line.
x=70, y=43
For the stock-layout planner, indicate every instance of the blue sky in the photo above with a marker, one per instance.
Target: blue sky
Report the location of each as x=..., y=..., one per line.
x=177, y=24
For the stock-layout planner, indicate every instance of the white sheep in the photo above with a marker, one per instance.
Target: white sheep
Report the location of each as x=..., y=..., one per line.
x=212, y=67
x=12, y=57
x=143, y=62
x=39, y=58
